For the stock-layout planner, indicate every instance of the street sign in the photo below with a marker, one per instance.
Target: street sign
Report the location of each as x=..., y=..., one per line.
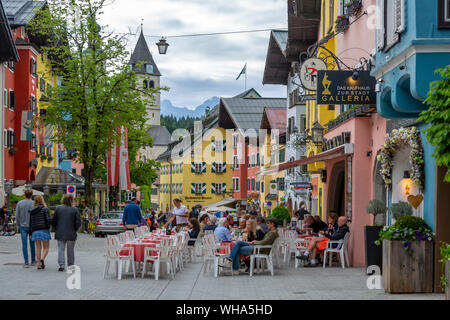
x=301, y=185
x=346, y=87
x=72, y=189
x=308, y=72
x=269, y=203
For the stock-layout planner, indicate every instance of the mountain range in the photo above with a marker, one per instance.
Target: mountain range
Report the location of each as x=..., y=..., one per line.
x=167, y=108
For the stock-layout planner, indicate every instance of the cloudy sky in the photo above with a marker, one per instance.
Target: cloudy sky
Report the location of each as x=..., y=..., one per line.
x=198, y=68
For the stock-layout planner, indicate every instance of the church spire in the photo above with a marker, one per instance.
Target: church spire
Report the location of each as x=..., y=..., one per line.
x=141, y=54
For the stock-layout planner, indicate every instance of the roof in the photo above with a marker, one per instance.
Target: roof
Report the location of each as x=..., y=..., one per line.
x=277, y=67
x=8, y=51
x=250, y=93
x=21, y=42
x=141, y=54
x=161, y=136
x=20, y=12
x=246, y=113
x=274, y=118
x=52, y=176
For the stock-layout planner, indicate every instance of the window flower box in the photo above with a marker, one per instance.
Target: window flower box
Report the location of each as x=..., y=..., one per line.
x=354, y=7
x=342, y=23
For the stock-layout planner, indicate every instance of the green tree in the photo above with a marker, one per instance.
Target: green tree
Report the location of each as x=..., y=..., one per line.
x=99, y=92
x=438, y=116
x=143, y=173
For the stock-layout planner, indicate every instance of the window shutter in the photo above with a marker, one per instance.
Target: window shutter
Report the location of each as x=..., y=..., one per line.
x=203, y=167
x=224, y=143
x=203, y=188
x=224, y=167
x=193, y=188
x=392, y=37
x=193, y=167
x=213, y=145
x=213, y=167
x=381, y=31
x=213, y=188
x=224, y=187
x=400, y=22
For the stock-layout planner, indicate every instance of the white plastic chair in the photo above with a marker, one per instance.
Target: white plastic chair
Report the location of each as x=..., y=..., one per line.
x=162, y=256
x=130, y=235
x=288, y=244
x=115, y=253
x=211, y=254
x=256, y=258
x=301, y=245
x=341, y=249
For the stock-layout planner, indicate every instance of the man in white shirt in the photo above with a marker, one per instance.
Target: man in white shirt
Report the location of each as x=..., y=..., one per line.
x=180, y=215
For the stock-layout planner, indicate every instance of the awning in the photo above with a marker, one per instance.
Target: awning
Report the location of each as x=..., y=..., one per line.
x=221, y=203
x=337, y=152
x=20, y=191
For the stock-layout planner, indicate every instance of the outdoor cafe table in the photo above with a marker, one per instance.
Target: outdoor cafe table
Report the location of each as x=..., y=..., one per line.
x=139, y=248
x=231, y=245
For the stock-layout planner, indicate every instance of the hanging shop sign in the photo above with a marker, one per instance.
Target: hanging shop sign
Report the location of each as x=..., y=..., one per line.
x=346, y=87
x=307, y=97
x=301, y=185
x=309, y=72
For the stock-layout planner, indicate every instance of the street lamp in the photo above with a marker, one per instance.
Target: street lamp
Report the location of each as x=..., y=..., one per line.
x=317, y=133
x=162, y=46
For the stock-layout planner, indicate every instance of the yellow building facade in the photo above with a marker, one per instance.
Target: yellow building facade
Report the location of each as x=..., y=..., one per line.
x=321, y=114
x=47, y=155
x=200, y=175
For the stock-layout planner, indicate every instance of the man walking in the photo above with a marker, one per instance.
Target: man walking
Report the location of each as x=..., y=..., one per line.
x=132, y=215
x=23, y=209
x=66, y=221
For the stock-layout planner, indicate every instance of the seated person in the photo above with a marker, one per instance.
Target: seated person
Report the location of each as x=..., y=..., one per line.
x=221, y=232
x=261, y=224
x=246, y=248
x=334, y=235
x=311, y=225
x=251, y=232
x=240, y=230
x=322, y=225
x=204, y=219
x=211, y=224
x=230, y=220
x=194, y=230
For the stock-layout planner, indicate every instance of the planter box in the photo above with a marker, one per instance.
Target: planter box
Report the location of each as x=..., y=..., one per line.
x=354, y=8
x=447, y=275
x=374, y=253
x=405, y=274
x=343, y=24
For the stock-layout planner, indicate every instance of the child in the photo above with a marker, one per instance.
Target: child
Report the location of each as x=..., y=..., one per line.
x=5, y=214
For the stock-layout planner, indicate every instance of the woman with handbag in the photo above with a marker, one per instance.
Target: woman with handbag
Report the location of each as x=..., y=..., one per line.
x=40, y=229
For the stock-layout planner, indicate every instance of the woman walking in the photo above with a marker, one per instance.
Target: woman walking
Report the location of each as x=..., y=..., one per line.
x=40, y=229
x=66, y=221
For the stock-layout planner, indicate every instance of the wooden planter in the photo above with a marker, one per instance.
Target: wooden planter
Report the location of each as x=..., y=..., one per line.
x=408, y=274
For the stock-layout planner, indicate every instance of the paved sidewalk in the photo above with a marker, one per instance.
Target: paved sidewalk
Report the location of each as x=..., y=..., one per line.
x=288, y=283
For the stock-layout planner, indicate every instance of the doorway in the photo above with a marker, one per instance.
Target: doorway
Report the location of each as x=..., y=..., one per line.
x=336, y=191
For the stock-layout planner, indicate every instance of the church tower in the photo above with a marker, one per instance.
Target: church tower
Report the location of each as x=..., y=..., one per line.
x=144, y=66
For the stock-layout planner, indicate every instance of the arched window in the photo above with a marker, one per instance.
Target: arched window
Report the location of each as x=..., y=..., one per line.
x=145, y=84
x=152, y=84
x=149, y=68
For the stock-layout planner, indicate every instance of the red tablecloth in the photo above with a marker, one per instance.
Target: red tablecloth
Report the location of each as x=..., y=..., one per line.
x=231, y=245
x=139, y=249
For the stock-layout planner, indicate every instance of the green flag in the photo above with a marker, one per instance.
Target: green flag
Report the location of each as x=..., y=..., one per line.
x=244, y=71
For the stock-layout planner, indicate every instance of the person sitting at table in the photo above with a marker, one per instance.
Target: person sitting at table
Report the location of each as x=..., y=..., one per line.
x=204, y=219
x=240, y=230
x=311, y=225
x=221, y=232
x=261, y=224
x=251, y=232
x=211, y=224
x=230, y=220
x=322, y=225
x=334, y=235
x=246, y=249
x=194, y=230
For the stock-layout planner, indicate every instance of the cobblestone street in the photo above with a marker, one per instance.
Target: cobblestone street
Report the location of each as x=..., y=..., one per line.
x=17, y=282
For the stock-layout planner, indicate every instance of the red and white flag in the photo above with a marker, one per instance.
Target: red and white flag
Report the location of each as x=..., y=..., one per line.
x=124, y=164
x=113, y=166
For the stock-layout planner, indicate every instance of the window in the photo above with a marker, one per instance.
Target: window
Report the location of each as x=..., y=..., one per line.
x=198, y=167
x=280, y=182
x=5, y=138
x=5, y=98
x=33, y=105
x=282, y=154
x=393, y=23
x=11, y=65
x=181, y=167
x=33, y=67
x=258, y=186
x=248, y=161
x=235, y=162
x=219, y=188
x=12, y=100
x=253, y=161
x=151, y=84
x=262, y=186
x=248, y=184
x=74, y=171
x=33, y=144
x=198, y=188
x=49, y=151
x=149, y=68
x=145, y=84
x=11, y=138
x=253, y=184
x=444, y=14
x=257, y=160
x=235, y=184
x=262, y=161
x=235, y=141
x=331, y=13
x=42, y=85
x=128, y=196
x=219, y=167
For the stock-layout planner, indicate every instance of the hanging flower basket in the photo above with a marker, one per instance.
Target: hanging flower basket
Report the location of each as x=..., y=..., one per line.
x=12, y=151
x=354, y=7
x=397, y=139
x=342, y=23
x=49, y=158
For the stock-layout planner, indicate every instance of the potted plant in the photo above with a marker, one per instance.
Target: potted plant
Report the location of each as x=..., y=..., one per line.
x=445, y=276
x=342, y=23
x=354, y=7
x=374, y=253
x=12, y=151
x=43, y=157
x=407, y=256
x=50, y=158
x=282, y=214
x=401, y=209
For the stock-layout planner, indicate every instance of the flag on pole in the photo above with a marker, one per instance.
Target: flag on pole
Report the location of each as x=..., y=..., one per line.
x=124, y=164
x=113, y=166
x=26, y=126
x=244, y=71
